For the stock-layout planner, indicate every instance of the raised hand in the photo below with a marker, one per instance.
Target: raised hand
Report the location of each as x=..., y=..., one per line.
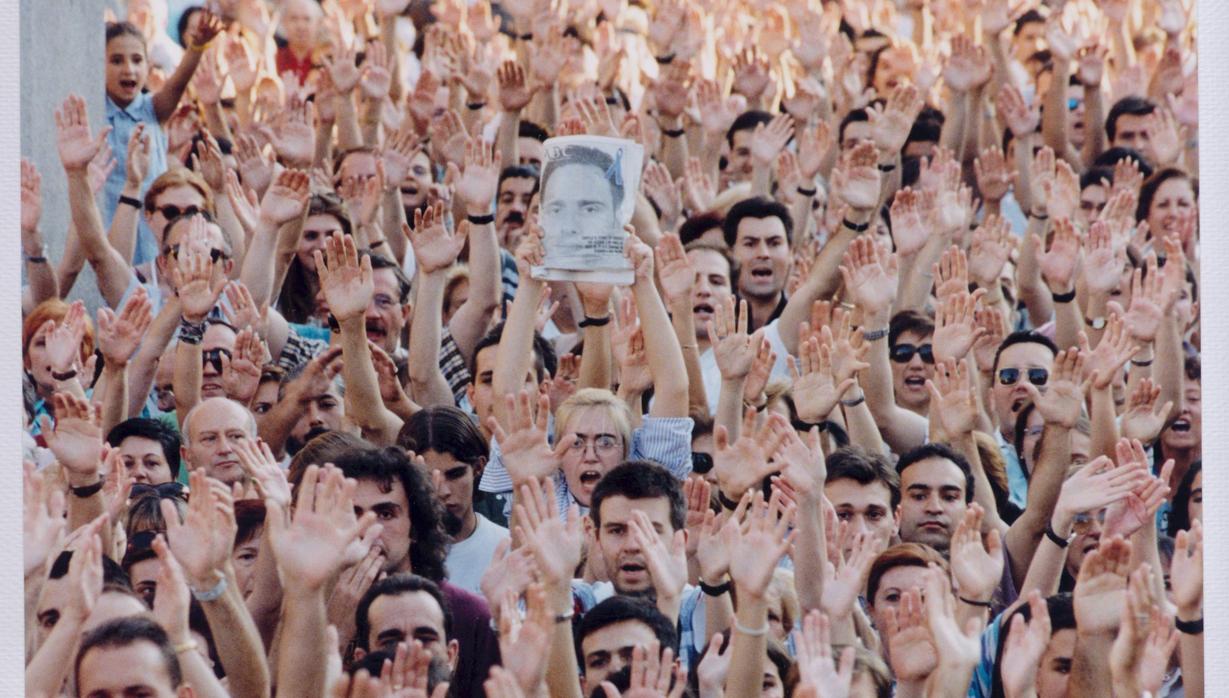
x=769, y=139
x=203, y=542
x=241, y=374
x=1101, y=365
x=1187, y=565
x=523, y=448
x=1063, y=399
x=345, y=279
x=1018, y=115
x=957, y=647
x=699, y=186
x=1146, y=640
x=1026, y=642
x=525, y=644
x=1144, y=417
x=1041, y=175
x=31, y=196
x=255, y=166
x=977, y=566
x=717, y=112
x=1144, y=315
x=955, y=329
x=510, y=572
x=1062, y=191
x=651, y=676
x=913, y=655
x=714, y=667
x=286, y=198
x=476, y=186
x=760, y=543
x=870, y=274
x=818, y=669
x=76, y=145
x=848, y=572
x=993, y=328
x=993, y=243
x=890, y=124
x=42, y=519
x=374, y=76
x=744, y=464
x=856, y=178
x=555, y=542
x=76, y=440
x=1101, y=585
x=969, y=65
x=1103, y=260
x=173, y=600
x=911, y=224
x=951, y=274
x=666, y=562
x=119, y=336
x=711, y=554
x=258, y=463
x=733, y=348
x=674, y=270
x=514, y=92
x=435, y=247
x=1060, y=262
x=665, y=193
x=952, y=393
x=294, y=133
x=993, y=174
x=308, y=546
x=1136, y=510
x=196, y=284
x=751, y=73
x=760, y=373
x=816, y=390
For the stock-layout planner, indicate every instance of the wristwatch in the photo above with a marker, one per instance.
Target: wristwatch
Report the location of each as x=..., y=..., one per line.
x=1097, y=323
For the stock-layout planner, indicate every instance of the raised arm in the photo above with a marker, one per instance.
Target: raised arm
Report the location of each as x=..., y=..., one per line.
x=284, y=202
x=677, y=278
x=476, y=187
x=41, y=274
x=167, y=99
x=436, y=250
x=660, y=344
x=513, y=359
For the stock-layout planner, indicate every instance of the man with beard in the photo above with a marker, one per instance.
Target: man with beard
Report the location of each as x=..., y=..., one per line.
x=319, y=412
x=413, y=540
x=407, y=608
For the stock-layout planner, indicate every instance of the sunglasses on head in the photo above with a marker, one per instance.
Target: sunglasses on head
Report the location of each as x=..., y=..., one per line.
x=141, y=541
x=171, y=211
x=214, y=356
x=166, y=490
x=701, y=463
x=215, y=254
x=903, y=353
x=1036, y=376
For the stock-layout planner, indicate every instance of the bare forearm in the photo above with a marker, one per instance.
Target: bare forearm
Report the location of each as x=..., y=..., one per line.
x=348, y=134
x=363, y=403
x=469, y=323
x=258, y=266
x=746, y=674
x=821, y=282
x=1049, y=472
x=303, y=652
x=238, y=642
x=809, y=565
x=1169, y=371
x=515, y=353
x=186, y=379
x=1104, y=423
x=112, y=272
x=426, y=379
x=683, y=322
x=123, y=232
x=663, y=352
x=167, y=99
x=507, y=138
x=1090, y=675
x=115, y=398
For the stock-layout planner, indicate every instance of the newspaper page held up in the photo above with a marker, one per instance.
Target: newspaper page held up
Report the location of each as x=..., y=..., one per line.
x=589, y=188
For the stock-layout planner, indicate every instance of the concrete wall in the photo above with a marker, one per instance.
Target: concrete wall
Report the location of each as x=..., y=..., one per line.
x=61, y=52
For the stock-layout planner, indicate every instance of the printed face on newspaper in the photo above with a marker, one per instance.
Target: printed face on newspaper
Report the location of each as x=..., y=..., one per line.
x=589, y=187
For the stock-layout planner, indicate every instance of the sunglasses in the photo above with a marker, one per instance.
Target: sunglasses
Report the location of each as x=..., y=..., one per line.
x=171, y=211
x=1082, y=523
x=903, y=353
x=214, y=254
x=701, y=463
x=167, y=490
x=141, y=541
x=214, y=356
x=1036, y=376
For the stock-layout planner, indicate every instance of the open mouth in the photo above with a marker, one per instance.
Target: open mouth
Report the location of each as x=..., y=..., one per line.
x=1018, y=404
x=128, y=84
x=632, y=568
x=375, y=333
x=1181, y=426
x=590, y=477
x=702, y=308
x=916, y=382
x=761, y=274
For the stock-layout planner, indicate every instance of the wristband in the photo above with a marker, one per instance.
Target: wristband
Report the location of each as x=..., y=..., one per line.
x=210, y=594
x=474, y=106
x=86, y=491
x=856, y=227
x=808, y=192
x=980, y=604
x=854, y=402
x=875, y=335
x=715, y=589
x=1039, y=216
x=40, y=259
x=666, y=59
x=888, y=167
x=1054, y=537
x=1189, y=627
x=672, y=132
x=1063, y=297
x=66, y=376
x=753, y=632
x=594, y=321
x=565, y=617
x=1142, y=363
x=182, y=647
x=191, y=332
x=484, y=219
x=135, y=203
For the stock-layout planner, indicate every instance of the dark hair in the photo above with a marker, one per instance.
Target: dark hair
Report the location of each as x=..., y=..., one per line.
x=864, y=467
x=747, y=121
x=446, y=430
x=939, y=450
x=545, y=360
x=697, y=225
x=528, y=129
x=1093, y=176
x=396, y=585
x=519, y=172
x=297, y=299
x=115, y=29
x=249, y=518
x=853, y=116
x=123, y=632
x=1032, y=16
x=589, y=157
x=429, y=543
x=755, y=207
x=913, y=321
x=1024, y=337
x=640, y=479
x=181, y=27
x=403, y=282
x=698, y=245
x=1153, y=183
x=1193, y=367
x=153, y=430
x=1062, y=617
x=1180, y=513
x=925, y=130
x=113, y=576
x=1110, y=157
x=1021, y=426
x=1127, y=106
x=618, y=609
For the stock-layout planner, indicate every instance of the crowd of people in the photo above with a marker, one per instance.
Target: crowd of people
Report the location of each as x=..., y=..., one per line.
x=903, y=398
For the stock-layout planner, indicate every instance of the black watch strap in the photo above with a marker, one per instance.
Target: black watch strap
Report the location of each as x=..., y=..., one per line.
x=87, y=490
x=715, y=589
x=594, y=321
x=485, y=219
x=1053, y=536
x=1187, y=627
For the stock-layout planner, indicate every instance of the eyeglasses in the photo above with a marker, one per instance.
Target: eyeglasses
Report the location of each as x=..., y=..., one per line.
x=602, y=443
x=214, y=356
x=701, y=463
x=167, y=490
x=215, y=254
x=1036, y=376
x=903, y=353
x=171, y=211
x=1082, y=523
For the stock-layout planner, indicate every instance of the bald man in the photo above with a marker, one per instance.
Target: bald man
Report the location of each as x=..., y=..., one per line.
x=210, y=432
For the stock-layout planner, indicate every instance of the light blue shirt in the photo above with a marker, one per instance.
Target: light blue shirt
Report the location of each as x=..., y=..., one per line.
x=122, y=121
